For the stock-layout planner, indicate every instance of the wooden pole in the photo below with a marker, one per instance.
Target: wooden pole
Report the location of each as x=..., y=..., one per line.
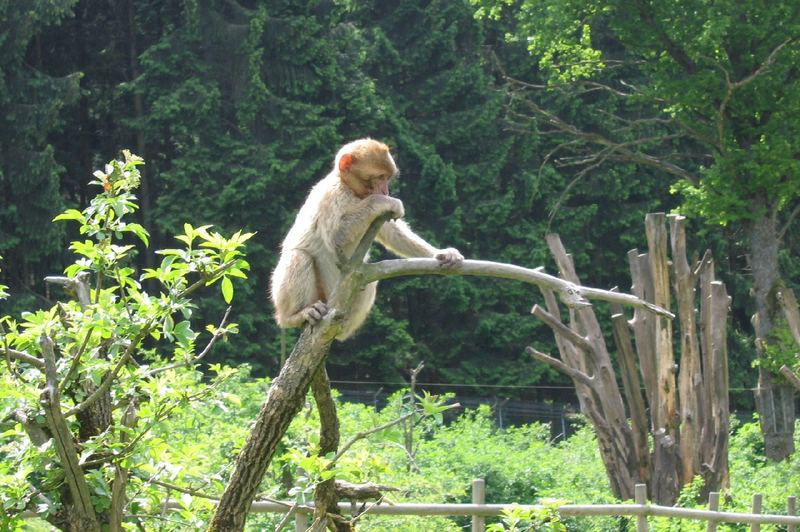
x=713, y=506
x=478, y=497
x=300, y=522
x=791, y=509
x=758, y=499
x=640, y=497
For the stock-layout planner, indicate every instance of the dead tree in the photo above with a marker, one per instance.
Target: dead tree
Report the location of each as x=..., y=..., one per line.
x=684, y=407
x=306, y=364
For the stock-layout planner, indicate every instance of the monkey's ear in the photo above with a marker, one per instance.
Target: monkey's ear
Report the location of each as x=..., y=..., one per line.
x=346, y=162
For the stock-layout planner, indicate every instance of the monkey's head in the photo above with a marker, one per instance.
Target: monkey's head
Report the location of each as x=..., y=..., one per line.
x=366, y=167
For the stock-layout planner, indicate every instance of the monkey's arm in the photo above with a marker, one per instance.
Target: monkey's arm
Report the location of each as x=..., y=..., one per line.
x=397, y=237
x=353, y=224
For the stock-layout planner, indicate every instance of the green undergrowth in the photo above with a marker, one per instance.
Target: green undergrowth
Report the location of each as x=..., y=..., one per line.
x=519, y=464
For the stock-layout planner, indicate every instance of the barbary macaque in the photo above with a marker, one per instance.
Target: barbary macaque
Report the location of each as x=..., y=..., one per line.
x=337, y=213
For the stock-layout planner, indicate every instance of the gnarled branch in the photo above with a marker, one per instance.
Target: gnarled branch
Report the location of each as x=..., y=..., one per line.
x=573, y=295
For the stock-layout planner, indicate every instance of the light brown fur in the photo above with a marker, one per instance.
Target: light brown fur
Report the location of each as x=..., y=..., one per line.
x=331, y=222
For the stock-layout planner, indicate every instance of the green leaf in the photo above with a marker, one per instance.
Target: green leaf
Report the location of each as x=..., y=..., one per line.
x=71, y=214
x=227, y=289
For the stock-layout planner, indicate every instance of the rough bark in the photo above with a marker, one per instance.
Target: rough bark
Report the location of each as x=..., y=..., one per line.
x=642, y=324
x=602, y=399
x=665, y=417
x=284, y=400
x=633, y=394
x=774, y=401
x=80, y=514
x=326, y=500
x=690, y=378
x=714, y=442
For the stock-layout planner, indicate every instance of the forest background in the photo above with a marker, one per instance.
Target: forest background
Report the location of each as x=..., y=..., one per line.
x=238, y=108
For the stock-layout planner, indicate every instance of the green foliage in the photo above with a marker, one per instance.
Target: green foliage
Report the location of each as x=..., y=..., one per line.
x=783, y=350
x=117, y=345
x=518, y=519
x=724, y=73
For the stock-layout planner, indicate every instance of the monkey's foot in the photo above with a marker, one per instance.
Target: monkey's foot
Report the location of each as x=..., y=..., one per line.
x=316, y=312
x=449, y=257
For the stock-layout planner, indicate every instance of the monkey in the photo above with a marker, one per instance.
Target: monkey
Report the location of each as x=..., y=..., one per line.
x=335, y=216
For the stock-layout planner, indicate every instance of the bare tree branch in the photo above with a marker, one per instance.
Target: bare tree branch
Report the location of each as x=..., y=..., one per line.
x=731, y=87
x=560, y=366
x=571, y=294
x=620, y=148
x=561, y=329
x=13, y=354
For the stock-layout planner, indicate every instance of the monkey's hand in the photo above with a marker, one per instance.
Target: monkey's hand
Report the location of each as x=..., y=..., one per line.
x=388, y=204
x=449, y=257
x=314, y=313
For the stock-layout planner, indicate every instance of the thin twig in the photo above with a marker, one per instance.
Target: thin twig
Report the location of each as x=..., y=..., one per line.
x=73, y=368
x=7, y=350
x=355, y=519
x=207, y=278
x=288, y=515
x=109, y=378
x=217, y=333
x=24, y=357
x=379, y=428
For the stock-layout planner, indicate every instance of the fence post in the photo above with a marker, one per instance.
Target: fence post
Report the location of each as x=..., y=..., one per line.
x=300, y=521
x=791, y=509
x=640, y=497
x=758, y=498
x=478, y=497
x=713, y=505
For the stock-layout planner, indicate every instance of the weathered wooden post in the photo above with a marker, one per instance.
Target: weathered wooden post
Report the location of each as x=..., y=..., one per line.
x=640, y=497
x=478, y=497
x=758, y=500
x=713, y=505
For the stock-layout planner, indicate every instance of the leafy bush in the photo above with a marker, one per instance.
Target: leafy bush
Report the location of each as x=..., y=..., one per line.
x=87, y=382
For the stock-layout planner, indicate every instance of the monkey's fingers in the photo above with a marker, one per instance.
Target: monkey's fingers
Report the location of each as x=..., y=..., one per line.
x=316, y=312
x=449, y=257
x=395, y=207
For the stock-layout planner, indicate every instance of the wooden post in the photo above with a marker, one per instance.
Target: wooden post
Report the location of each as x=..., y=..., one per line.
x=791, y=509
x=478, y=497
x=300, y=521
x=640, y=497
x=758, y=499
x=713, y=506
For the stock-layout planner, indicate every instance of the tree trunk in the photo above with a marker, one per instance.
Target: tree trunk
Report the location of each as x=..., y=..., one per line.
x=774, y=402
x=286, y=394
x=284, y=400
x=666, y=456
x=690, y=378
x=326, y=500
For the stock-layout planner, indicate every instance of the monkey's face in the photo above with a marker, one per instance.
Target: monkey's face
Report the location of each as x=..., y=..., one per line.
x=367, y=168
